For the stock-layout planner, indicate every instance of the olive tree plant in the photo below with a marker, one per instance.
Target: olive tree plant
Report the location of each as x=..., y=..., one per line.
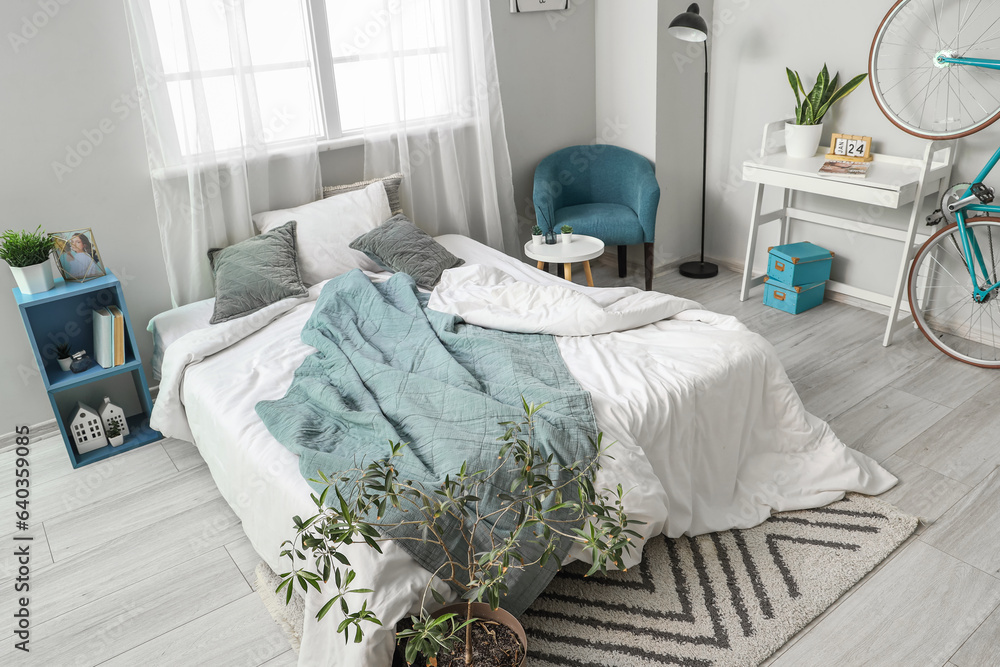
x=552, y=506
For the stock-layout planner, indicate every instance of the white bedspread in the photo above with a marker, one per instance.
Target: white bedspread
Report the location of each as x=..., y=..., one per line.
x=711, y=434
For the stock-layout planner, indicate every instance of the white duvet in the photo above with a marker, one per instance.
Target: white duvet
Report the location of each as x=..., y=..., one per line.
x=711, y=434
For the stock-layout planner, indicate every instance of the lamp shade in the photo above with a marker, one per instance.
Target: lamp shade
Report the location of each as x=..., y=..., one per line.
x=689, y=26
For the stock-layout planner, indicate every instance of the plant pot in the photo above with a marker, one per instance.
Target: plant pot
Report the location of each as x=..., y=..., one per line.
x=34, y=279
x=537, y=239
x=65, y=363
x=802, y=141
x=567, y=238
x=117, y=441
x=485, y=612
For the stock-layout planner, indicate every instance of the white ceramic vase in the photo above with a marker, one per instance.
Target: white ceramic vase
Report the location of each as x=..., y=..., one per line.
x=567, y=238
x=538, y=239
x=34, y=279
x=802, y=141
x=117, y=441
x=64, y=364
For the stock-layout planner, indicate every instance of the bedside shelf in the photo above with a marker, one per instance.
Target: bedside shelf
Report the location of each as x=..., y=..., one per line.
x=64, y=314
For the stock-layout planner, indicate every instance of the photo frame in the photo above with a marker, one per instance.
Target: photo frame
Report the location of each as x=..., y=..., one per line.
x=522, y=6
x=77, y=255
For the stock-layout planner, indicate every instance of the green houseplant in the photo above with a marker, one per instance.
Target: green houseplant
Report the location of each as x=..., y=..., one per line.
x=803, y=136
x=567, y=233
x=537, y=235
x=114, y=433
x=64, y=355
x=27, y=254
x=548, y=513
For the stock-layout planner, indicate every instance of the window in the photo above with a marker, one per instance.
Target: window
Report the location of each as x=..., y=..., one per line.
x=319, y=68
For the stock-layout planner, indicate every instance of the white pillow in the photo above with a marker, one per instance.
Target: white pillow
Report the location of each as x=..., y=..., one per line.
x=326, y=227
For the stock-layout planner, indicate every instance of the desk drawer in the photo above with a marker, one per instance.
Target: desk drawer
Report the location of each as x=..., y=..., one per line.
x=858, y=190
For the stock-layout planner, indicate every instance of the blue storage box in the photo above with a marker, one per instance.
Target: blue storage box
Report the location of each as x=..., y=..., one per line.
x=792, y=298
x=799, y=263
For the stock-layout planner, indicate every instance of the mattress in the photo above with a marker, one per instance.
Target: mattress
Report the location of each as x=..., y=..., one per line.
x=710, y=434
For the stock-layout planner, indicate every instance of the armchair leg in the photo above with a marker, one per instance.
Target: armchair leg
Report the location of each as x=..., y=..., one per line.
x=622, y=250
x=648, y=247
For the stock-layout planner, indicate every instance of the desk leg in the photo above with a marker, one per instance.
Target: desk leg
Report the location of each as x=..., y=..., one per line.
x=568, y=272
x=785, y=220
x=758, y=196
x=590, y=276
x=908, y=245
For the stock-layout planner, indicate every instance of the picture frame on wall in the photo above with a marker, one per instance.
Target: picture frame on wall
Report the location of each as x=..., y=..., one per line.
x=77, y=255
x=521, y=6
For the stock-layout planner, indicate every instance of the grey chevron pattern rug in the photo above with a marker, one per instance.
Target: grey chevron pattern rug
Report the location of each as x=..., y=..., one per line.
x=729, y=598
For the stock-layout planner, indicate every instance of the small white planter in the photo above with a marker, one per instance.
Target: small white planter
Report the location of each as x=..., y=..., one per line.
x=34, y=279
x=65, y=363
x=117, y=441
x=537, y=239
x=567, y=238
x=802, y=141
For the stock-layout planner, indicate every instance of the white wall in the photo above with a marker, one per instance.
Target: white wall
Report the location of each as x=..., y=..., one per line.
x=626, y=73
x=69, y=76
x=753, y=43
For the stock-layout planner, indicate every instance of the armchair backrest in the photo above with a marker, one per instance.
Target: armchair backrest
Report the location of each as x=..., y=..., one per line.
x=591, y=174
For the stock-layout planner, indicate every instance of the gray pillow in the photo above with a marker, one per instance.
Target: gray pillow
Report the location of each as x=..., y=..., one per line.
x=255, y=273
x=399, y=245
x=390, y=183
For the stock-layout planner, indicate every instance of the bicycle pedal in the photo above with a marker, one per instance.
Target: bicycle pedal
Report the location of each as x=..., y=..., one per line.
x=982, y=192
x=935, y=218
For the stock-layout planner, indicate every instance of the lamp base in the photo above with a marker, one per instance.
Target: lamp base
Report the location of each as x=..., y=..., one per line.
x=699, y=270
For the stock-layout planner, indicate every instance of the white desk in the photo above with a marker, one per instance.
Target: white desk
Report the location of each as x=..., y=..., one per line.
x=892, y=182
x=580, y=249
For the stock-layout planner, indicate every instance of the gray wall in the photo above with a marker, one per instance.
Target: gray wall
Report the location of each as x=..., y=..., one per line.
x=547, y=81
x=72, y=73
x=70, y=76
x=753, y=43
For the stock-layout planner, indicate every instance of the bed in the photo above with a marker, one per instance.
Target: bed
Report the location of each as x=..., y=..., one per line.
x=711, y=434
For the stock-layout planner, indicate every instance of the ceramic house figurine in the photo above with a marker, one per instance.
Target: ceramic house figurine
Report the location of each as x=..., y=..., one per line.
x=112, y=413
x=87, y=429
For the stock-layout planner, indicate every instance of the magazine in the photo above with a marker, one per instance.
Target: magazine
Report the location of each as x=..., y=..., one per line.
x=844, y=168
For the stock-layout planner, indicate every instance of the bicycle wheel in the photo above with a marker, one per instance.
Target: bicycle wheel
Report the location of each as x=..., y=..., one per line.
x=941, y=300
x=915, y=90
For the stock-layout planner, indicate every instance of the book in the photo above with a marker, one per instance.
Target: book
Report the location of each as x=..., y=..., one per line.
x=104, y=338
x=119, y=339
x=844, y=168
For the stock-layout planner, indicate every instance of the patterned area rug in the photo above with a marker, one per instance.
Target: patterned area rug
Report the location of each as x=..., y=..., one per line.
x=729, y=598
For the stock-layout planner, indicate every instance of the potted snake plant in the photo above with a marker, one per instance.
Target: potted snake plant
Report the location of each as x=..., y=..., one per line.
x=27, y=254
x=802, y=137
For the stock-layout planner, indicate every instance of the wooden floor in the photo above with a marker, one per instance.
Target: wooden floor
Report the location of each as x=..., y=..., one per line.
x=138, y=560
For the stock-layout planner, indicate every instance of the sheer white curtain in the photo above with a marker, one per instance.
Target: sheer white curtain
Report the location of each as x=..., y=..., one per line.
x=425, y=74
x=230, y=114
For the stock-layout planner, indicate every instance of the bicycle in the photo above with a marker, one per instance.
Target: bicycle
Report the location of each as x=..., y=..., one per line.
x=934, y=69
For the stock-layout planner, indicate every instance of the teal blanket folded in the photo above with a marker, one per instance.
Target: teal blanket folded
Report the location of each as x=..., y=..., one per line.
x=387, y=368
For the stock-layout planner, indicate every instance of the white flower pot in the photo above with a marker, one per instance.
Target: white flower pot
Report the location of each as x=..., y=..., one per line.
x=538, y=239
x=65, y=363
x=117, y=441
x=34, y=279
x=801, y=141
x=567, y=238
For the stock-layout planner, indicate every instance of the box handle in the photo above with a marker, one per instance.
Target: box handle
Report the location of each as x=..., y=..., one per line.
x=779, y=296
x=779, y=266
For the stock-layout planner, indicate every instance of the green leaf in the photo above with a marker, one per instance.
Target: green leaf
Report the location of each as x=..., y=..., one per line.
x=844, y=91
x=793, y=81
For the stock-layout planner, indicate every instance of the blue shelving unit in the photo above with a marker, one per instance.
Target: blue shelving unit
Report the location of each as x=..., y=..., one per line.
x=65, y=311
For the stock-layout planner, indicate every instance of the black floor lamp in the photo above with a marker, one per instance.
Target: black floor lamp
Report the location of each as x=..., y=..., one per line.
x=691, y=27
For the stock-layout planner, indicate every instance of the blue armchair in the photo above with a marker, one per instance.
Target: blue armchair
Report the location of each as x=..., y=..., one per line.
x=603, y=191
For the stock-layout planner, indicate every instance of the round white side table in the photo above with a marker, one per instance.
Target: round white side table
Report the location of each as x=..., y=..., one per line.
x=580, y=249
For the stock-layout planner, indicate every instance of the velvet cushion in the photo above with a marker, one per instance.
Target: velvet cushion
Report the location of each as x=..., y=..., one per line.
x=399, y=245
x=255, y=273
x=615, y=224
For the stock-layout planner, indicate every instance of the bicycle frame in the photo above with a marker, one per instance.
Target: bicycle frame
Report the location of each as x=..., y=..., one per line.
x=969, y=243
